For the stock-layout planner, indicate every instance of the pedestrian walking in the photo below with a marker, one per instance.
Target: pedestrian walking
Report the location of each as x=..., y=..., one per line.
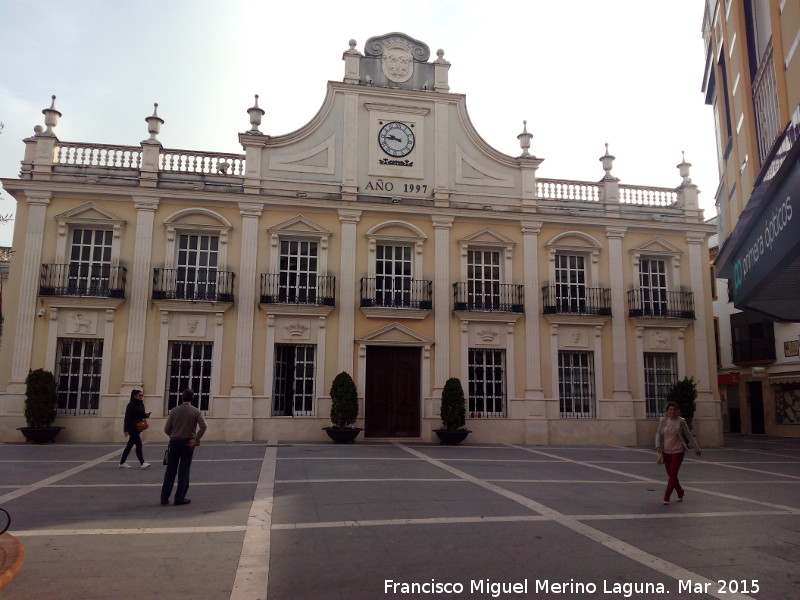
x=673, y=439
x=134, y=413
x=185, y=426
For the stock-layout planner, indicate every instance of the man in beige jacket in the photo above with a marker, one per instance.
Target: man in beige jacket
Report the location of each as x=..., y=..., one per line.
x=185, y=426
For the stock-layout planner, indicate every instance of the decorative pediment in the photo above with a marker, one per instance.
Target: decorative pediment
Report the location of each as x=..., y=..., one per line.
x=299, y=225
x=574, y=240
x=470, y=172
x=657, y=245
x=319, y=159
x=91, y=215
x=197, y=217
x=395, y=334
x=487, y=236
x=396, y=230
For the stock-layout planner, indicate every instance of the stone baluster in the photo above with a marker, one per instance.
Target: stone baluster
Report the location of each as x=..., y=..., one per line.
x=151, y=150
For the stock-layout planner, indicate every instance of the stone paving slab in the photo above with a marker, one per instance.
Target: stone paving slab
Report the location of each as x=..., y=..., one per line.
x=292, y=521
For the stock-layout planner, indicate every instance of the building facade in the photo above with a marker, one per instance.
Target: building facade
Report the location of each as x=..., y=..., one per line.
x=752, y=80
x=386, y=239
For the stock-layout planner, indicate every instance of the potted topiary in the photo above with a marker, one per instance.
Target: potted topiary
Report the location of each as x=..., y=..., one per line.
x=41, y=407
x=344, y=410
x=683, y=393
x=453, y=413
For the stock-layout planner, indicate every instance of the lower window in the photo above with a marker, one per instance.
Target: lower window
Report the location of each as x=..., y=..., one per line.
x=487, y=383
x=576, y=384
x=293, y=388
x=660, y=374
x=78, y=375
x=189, y=368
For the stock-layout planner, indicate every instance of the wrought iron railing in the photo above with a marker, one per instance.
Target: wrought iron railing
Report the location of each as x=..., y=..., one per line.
x=576, y=300
x=396, y=292
x=193, y=283
x=645, y=302
x=487, y=296
x=298, y=288
x=82, y=279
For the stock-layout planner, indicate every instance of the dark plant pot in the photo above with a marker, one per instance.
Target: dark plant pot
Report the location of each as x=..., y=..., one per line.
x=346, y=435
x=40, y=435
x=452, y=437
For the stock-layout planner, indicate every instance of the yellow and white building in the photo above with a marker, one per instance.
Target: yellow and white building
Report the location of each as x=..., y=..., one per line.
x=384, y=238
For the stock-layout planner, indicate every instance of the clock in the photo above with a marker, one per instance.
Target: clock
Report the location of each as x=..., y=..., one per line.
x=396, y=139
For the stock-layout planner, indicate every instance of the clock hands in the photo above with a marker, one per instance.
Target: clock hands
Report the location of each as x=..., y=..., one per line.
x=396, y=139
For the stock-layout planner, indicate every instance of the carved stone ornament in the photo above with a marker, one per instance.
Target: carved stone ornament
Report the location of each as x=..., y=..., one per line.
x=659, y=340
x=296, y=330
x=487, y=335
x=82, y=322
x=398, y=53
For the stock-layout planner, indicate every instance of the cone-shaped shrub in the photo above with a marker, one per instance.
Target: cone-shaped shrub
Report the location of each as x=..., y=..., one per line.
x=454, y=404
x=344, y=400
x=41, y=398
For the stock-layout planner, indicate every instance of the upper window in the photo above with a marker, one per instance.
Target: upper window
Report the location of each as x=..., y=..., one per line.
x=78, y=367
x=660, y=374
x=576, y=384
x=487, y=382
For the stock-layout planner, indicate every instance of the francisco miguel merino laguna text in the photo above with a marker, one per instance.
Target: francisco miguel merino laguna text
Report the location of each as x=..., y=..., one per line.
x=496, y=588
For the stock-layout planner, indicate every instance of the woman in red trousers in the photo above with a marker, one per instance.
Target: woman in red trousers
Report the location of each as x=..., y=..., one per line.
x=674, y=438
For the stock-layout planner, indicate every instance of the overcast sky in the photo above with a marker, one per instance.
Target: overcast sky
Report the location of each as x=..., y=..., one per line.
x=582, y=73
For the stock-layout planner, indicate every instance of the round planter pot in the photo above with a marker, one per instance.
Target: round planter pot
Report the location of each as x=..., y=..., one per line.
x=452, y=437
x=40, y=435
x=343, y=436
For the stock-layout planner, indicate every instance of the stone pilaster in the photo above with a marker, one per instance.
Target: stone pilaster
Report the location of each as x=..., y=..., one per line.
x=698, y=271
x=618, y=323
x=442, y=297
x=347, y=289
x=138, y=300
x=533, y=309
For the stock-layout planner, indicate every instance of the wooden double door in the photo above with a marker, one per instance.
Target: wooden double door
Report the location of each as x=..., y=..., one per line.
x=392, y=392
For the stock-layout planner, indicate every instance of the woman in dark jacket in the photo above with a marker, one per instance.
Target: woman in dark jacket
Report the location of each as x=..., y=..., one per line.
x=133, y=414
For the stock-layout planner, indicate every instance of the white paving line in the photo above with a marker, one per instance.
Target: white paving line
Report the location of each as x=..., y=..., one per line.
x=789, y=509
x=252, y=574
x=63, y=475
x=625, y=549
x=129, y=531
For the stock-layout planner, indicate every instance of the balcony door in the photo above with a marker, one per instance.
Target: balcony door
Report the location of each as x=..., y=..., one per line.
x=570, y=283
x=297, y=279
x=483, y=279
x=196, y=273
x=653, y=287
x=394, y=272
x=89, y=262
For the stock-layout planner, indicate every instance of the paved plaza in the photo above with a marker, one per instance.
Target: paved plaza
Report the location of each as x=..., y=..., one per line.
x=401, y=520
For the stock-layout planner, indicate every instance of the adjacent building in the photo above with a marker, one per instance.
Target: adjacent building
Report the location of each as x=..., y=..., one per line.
x=752, y=80
x=386, y=239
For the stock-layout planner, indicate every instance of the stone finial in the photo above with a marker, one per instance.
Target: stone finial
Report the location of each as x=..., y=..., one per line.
x=608, y=162
x=683, y=169
x=440, y=57
x=352, y=49
x=154, y=123
x=255, y=118
x=50, y=117
x=525, y=139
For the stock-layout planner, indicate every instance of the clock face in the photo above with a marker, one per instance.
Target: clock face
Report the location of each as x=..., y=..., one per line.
x=396, y=139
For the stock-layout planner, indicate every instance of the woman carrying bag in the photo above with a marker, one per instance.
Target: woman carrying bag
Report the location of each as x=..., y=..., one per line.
x=673, y=439
x=135, y=422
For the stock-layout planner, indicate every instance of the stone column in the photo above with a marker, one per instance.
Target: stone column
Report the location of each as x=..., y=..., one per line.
x=619, y=321
x=246, y=301
x=442, y=297
x=698, y=271
x=350, y=143
x=138, y=300
x=533, y=309
x=28, y=290
x=347, y=288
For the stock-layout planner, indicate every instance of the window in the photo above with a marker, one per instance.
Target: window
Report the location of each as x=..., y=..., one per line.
x=89, y=262
x=483, y=279
x=293, y=391
x=753, y=338
x=653, y=287
x=297, y=272
x=570, y=283
x=487, y=383
x=78, y=375
x=196, y=276
x=660, y=374
x=189, y=368
x=393, y=275
x=576, y=384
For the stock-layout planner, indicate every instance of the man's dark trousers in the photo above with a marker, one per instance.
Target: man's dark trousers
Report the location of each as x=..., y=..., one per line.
x=179, y=462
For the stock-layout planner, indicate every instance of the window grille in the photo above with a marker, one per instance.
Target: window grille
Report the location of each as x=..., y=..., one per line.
x=298, y=272
x=78, y=375
x=293, y=391
x=89, y=262
x=653, y=287
x=189, y=368
x=570, y=283
x=483, y=279
x=393, y=275
x=660, y=374
x=196, y=276
x=576, y=384
x=487, y=383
